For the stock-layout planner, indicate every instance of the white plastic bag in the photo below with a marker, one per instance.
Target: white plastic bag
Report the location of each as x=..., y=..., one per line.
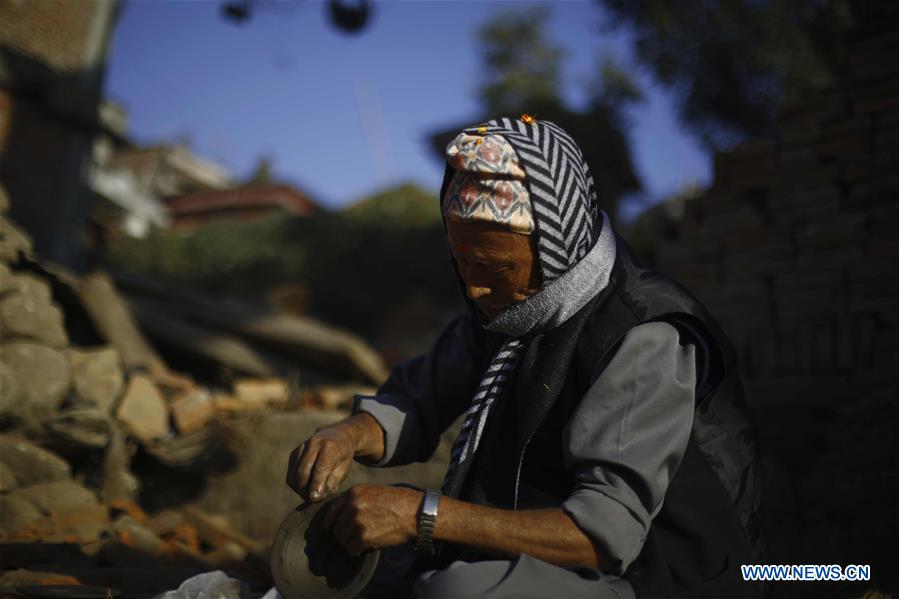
x=209, y=585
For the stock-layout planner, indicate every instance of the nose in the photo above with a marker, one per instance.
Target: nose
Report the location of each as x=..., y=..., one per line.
x=476, y=291
x=474, y=286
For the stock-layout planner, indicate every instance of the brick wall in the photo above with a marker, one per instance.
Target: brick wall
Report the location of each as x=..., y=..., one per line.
x=52, y=57
x=58, y=33
x=795, y=250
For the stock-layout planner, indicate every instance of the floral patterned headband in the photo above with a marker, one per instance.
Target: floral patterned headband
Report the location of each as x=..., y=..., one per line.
x=488, y=184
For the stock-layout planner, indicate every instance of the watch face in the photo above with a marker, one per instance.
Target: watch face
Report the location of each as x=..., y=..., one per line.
x=307, y=561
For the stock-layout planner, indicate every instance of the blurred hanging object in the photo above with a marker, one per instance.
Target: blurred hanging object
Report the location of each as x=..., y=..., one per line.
x=350, y=16
x=236, y=10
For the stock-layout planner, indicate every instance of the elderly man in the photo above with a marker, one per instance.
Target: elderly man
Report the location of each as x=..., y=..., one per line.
x=604, y=450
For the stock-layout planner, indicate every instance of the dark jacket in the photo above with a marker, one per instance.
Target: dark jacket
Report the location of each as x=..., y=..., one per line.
x=709, y=522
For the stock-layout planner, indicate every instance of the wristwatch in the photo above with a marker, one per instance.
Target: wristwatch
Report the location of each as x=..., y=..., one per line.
x=427, y=516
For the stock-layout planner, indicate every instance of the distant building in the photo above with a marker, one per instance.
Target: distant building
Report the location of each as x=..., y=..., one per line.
x=52, y=60
x=171, y=169
x=73, y=175
x=250, y=202
x=131, y=181
x=122, y=201
x=168, y=185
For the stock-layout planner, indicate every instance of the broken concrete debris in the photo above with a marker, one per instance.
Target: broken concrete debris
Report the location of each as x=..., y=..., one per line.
x=14, y=243
x=167, y=522
x=31, y=464
x=113, y=319
x=84, y=427
x=36, y=379
x=189, y=450
x=227, y=403
x=15, y=514
x=8, y=281
x=87, y=432
x=118, y=482
x=334, y=397
x=264, y=391
x=143, y=410
x=28, y=311
x=97, y=376
x=89, y=523
x=192, y=410
x=8, y=480
x=136, y=535
x=251, y=333
x=229, y=555
x=56, y=494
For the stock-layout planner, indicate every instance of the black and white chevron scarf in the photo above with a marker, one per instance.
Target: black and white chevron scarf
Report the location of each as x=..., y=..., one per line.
x=576, y=248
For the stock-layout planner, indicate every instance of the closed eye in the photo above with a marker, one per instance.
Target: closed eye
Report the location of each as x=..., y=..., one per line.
x=497, y=268
x=489, y=266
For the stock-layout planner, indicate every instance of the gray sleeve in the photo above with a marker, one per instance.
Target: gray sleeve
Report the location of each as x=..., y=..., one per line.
x=627, y=437
x=424, y=395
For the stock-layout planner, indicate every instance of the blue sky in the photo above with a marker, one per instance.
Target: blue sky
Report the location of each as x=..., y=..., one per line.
x=343, y=116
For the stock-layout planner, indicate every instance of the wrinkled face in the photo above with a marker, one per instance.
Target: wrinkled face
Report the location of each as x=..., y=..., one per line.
x=499, y=267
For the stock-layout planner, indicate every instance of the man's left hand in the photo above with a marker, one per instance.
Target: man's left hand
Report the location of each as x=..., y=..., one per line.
x=370, y=517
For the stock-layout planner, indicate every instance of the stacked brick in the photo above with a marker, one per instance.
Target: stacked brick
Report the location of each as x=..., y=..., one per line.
x=795, y=249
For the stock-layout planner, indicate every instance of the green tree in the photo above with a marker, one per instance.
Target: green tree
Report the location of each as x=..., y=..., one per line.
x=731, y=63
x=521, y=66
x=405, y=204
x=522, y=72
x=263, y=174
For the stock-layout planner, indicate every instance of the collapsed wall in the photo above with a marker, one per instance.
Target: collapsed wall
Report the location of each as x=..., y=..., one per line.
x=795, y=249
x=117, y=471
x=72, y=418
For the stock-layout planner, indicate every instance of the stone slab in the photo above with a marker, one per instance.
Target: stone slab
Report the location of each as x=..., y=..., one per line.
x=97, y=376
x=13, y=241
x=261, y=391
x=85, y=427
x=55, y=495
x=192, y=410
x=8, y=281
x=16, y=513
x=8, y=480
x=89, y=523
x=36, y=378
x=143, y=410
x=31, y=464
x=30, y=312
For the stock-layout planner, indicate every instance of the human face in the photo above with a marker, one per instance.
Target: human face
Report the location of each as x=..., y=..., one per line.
x=498, y=266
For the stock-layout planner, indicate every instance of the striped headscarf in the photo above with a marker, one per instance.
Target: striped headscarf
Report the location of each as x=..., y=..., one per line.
x=576, y=251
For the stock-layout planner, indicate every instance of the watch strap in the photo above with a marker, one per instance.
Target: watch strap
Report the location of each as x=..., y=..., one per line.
x=427, y=518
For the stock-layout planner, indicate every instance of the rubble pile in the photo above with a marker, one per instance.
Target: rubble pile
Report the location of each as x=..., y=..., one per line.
x=76, y=420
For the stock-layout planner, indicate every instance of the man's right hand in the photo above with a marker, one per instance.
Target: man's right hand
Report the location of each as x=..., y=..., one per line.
x=317, y=467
